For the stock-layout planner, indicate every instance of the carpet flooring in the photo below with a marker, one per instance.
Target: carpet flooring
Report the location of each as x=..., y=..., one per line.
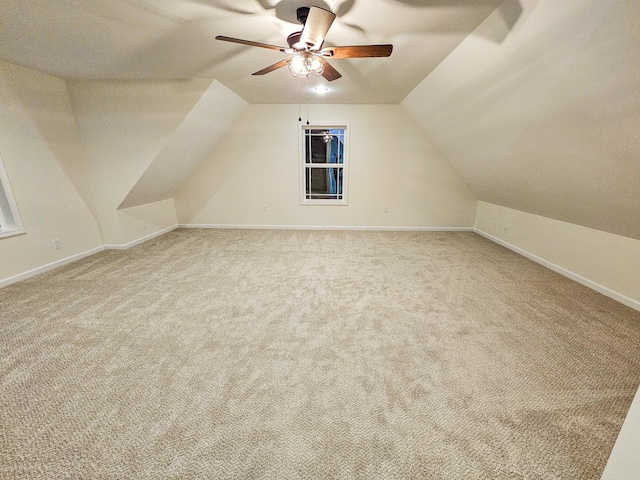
x=283, y=354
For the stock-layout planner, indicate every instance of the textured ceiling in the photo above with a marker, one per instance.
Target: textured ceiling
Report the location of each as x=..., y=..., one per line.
x=169, y=39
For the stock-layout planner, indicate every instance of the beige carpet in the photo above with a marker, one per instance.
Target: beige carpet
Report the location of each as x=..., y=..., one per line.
x=305, y=354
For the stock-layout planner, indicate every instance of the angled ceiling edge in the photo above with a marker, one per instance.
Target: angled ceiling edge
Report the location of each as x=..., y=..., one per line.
x=204, y=125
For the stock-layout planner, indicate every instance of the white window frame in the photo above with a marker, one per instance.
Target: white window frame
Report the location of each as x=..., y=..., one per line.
x=344, y=165
x=10, y=221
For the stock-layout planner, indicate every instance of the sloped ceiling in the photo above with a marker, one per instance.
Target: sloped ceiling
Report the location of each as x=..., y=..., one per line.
x=548, y=121
x=175, y=39
x=217, y=109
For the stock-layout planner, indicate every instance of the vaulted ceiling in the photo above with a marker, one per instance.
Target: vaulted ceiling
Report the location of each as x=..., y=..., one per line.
x=535, y=103
x=168, y=39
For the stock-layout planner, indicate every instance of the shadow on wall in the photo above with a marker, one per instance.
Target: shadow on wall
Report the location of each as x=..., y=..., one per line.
x=53, y=124
x=209, y=186
x=509, y=11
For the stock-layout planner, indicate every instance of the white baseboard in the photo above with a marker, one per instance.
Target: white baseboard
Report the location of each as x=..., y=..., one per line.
x=59, y=263
x=49, y=266
x=124, y=246
x=629, y=302
x=556, y=268
x=325, y=227
x=79, y=256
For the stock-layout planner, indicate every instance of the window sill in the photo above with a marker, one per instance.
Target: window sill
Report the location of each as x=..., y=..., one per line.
x=10, y=232
x=336, y=203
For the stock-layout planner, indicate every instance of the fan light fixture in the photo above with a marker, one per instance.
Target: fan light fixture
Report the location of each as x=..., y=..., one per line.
x=321, y=89
x=304, y=64
x=306, y=46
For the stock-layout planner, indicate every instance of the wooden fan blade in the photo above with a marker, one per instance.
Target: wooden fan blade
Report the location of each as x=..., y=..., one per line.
x=316, y=27
x=330, y=73
x=271, y=68
x=359, y=51
x=249, y=42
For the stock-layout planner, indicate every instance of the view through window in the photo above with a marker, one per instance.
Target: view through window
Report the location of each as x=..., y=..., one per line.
x=324, y=173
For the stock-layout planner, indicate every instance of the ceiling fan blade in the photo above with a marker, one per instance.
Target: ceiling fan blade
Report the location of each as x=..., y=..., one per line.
x=358, y=51
x=330, y=73
x=271, y=68
x=316, y=27
x=249, y=42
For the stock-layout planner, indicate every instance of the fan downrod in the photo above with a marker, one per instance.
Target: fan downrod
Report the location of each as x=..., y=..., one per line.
x=301, y=14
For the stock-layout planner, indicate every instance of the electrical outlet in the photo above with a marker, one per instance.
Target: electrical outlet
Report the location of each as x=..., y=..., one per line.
x=385, y=209
x=264, y=208
x=495, y=226
x=143, y=224
x=504, y=230
x=56, y=244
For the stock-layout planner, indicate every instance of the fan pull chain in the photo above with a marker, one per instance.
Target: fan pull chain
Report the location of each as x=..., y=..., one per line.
x=307, y=96
x=306, y=79
x=299, y=107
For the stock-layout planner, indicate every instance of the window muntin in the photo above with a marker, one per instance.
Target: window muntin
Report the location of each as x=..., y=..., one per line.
x=324, y=172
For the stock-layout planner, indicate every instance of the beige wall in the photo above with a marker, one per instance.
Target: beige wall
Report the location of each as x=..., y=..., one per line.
x=544, y=117
x=45, y=164
x=391, y=164
x=124, y=125
x=607, y=262
x=187, y=146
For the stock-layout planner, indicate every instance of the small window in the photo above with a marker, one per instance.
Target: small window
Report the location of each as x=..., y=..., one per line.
x=324, y=165
x=10, y=223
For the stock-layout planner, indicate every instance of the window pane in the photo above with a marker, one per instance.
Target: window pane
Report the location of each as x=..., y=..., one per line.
x=324, y=183
x=324, y=146
x=324, y=165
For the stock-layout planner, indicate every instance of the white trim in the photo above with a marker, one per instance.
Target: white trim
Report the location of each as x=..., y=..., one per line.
x=11, y=232
x=344, y=166
x=629, y=302
x=50, y=266
x=10, y=220
x=73, y=258
x=563, y=271
x=623, y=463
x=325, y=227
x=133, y=243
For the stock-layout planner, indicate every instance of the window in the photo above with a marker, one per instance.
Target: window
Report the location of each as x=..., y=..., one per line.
x=323, y=165
x=10, y=223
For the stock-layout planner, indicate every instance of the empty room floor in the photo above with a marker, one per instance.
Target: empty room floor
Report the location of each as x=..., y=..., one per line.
x=311, y=354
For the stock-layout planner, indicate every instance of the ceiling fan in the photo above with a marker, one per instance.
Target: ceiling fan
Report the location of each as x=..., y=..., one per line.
x=306, y=46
